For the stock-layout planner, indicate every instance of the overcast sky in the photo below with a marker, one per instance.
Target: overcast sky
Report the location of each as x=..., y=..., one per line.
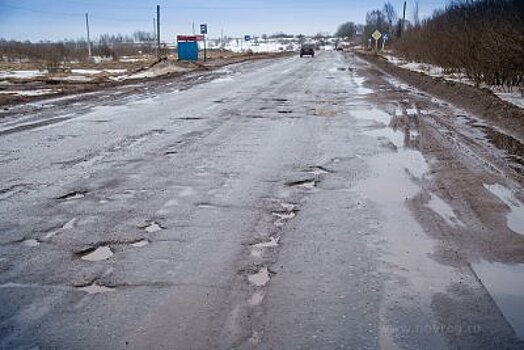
x=64, y=19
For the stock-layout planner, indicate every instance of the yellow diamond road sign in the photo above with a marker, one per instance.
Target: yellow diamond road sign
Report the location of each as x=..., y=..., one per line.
x=376, y=35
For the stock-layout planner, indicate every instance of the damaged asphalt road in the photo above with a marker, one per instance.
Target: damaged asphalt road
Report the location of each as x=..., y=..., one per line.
x=289, y=203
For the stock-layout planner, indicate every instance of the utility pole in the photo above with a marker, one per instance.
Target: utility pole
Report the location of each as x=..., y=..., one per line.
x=88, y=39
x=158, y=30
x=193, y=26
x=403, y=19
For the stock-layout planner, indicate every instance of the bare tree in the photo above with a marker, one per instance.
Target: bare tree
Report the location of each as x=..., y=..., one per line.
x=347, y=30
x=391, y=14
x=416, y=18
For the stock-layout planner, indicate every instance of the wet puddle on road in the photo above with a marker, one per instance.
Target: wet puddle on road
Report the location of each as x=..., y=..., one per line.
x=395, y=137
x=506, y=286
x=100, y=253
x=359, y=82
x=515, y=217
x=372, y=114
x=444, y=210
x=261, y=278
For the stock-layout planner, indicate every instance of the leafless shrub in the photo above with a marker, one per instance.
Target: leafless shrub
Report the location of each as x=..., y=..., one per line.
x=482, y=38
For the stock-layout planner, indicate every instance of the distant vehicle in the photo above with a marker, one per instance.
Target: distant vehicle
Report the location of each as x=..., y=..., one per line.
x=307, y=50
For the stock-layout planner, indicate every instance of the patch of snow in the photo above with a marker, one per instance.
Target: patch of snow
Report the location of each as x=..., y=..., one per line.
x=37, y=92
x=22, y=74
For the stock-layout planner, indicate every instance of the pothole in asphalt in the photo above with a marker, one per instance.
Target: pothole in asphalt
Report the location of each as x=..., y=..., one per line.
x=153, y=227
x=318, y=170
x=206, y=205
x=284, y=215
x=273, y=242
x=68, y=225
x=95, y=289
x=98, y=254
x=261, y=278
x=289, y=206
x=308, y=183
x=256, y=298
x=141, y=243
x=50, y=234
x=31, y=243
x=280, y=100
x=285, y=112
x=73, y=195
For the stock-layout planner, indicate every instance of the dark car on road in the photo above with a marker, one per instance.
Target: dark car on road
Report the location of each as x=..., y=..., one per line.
x=307, y=50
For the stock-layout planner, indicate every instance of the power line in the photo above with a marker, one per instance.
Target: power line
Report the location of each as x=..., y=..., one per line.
x=41, y=11
x=53, y=13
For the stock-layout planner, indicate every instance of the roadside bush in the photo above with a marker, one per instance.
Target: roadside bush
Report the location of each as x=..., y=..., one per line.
x=482, y=38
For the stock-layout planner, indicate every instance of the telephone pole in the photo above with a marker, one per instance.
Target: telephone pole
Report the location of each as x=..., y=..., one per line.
x=403, y=19
x=88, y=39
x=158, y=29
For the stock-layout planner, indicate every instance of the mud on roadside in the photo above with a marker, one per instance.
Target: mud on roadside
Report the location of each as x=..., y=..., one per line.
x=58, y=88
x=479, y=101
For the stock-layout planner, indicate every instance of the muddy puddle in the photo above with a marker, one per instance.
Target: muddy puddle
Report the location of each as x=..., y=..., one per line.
x=515, y=216
x=444, y=210
x=506, y=286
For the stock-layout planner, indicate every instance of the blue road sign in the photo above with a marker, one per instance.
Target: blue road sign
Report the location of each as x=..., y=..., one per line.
x=247, y=38
x=203, y=29
x=385, y=36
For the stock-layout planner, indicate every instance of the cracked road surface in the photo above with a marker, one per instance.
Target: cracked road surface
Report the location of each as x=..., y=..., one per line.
x=279, y=204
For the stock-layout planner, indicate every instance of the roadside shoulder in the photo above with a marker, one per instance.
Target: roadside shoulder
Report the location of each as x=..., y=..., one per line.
x=480, y=101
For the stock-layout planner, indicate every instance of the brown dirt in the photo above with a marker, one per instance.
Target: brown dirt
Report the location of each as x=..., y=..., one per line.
x=216, y=60
x=478, y=101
